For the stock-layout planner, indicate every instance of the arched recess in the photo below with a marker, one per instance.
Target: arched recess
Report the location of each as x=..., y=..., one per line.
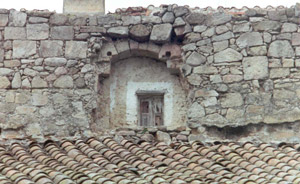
x=126, y=68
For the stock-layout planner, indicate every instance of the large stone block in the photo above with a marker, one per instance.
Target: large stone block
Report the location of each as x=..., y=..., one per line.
x=58, y=19
x=232, y=100
x=139, y=32
x=4, y=83
x=196, y=111
x=37, y=31
x=3, y=20
x=17, y=18
x=168, y=17
x=228, y=55
x=51, y=48
x=25, y=110
x=30, y=72
x=64, y=81
x=16, y=82
x=279, y=72
x=131, y=20
x=218, y=19
x=161, y=33
x=281, y=48
x=23, y=49
x=214, y=119
x=14, y=33
x=255, y=67
x=12, y=63
x=163, y=137
x=243, y=27
x=118, y=32
x=38, y=82
x=296, y=39
x=224, y=36
x=62, y=32
x=194, y=79
x=206, y=93
x=258, y=51
x=76, y=49
x=180, y=11
x=249, y=39
x=267, y=25
x=151, y=19
x=39, y=99
x=219, y=46
x=282, y=94
x=281, y=116
x=55, y=62
x=6, y=71
x=195, y=18
x=37, y=20
x=195, y=59
x=289, y=27
x=279, y=15
x=204, y=69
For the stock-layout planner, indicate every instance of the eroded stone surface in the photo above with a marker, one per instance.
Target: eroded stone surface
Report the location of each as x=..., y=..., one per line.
x=232, y=100
x=64, y=81
x=23, y=49
x=255, y=67
x=118, y=32
x=51, y=48
x=139, y=32
x=76, y=49
x=195, y=59
x=37, y=31
x=62, y=32
x=249, y=39
x=281, y=48
x=227, y=55
x=161, y=33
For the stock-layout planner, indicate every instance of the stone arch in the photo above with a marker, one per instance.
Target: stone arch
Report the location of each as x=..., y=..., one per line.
x=122, y=49
x=126, y=50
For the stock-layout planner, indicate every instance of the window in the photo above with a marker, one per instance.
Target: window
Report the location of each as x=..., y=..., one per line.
x=150, y=109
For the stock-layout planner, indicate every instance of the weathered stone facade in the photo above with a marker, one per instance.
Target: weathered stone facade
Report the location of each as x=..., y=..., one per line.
x=239, y=69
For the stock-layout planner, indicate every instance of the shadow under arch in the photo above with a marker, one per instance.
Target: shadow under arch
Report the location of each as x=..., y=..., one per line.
x=124, y=50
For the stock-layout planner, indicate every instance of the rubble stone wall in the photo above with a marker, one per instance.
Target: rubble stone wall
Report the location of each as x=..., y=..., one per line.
x=239, y=68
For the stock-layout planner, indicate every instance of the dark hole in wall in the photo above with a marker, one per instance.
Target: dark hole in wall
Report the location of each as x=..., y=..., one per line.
x=168, y=53
x=108, y=53
x=233, y=132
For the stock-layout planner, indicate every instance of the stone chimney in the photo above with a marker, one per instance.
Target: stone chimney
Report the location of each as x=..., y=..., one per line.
x=84, y=6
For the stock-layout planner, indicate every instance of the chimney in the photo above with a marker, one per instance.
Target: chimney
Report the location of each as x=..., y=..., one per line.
x=84, y=6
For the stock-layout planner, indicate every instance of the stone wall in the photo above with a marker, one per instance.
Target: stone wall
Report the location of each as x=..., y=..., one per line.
x=240, y=68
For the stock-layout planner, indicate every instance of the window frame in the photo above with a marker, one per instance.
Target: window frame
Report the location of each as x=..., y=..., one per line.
x=141, y=94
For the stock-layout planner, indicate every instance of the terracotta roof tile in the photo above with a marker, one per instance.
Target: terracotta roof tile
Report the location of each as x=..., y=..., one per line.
x=109, y=161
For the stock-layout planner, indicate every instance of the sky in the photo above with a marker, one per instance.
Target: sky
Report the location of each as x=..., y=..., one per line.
x=112, y=5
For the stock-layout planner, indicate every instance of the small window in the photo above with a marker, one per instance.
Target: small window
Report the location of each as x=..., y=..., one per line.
x=150, y=109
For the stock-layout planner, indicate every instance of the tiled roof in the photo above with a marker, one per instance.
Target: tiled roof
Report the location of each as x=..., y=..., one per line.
x=123, y=161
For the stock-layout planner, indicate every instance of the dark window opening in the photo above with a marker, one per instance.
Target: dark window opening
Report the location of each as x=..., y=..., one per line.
x=151, y=110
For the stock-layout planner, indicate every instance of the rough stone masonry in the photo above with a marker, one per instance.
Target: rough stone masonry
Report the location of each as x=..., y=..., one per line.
x=240, y=69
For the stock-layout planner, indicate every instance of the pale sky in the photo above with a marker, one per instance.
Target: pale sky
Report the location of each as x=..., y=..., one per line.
x=111, y=5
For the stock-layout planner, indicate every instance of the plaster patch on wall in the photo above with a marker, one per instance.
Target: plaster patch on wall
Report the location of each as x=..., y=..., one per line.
x=140, y=74
x=132, y=100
